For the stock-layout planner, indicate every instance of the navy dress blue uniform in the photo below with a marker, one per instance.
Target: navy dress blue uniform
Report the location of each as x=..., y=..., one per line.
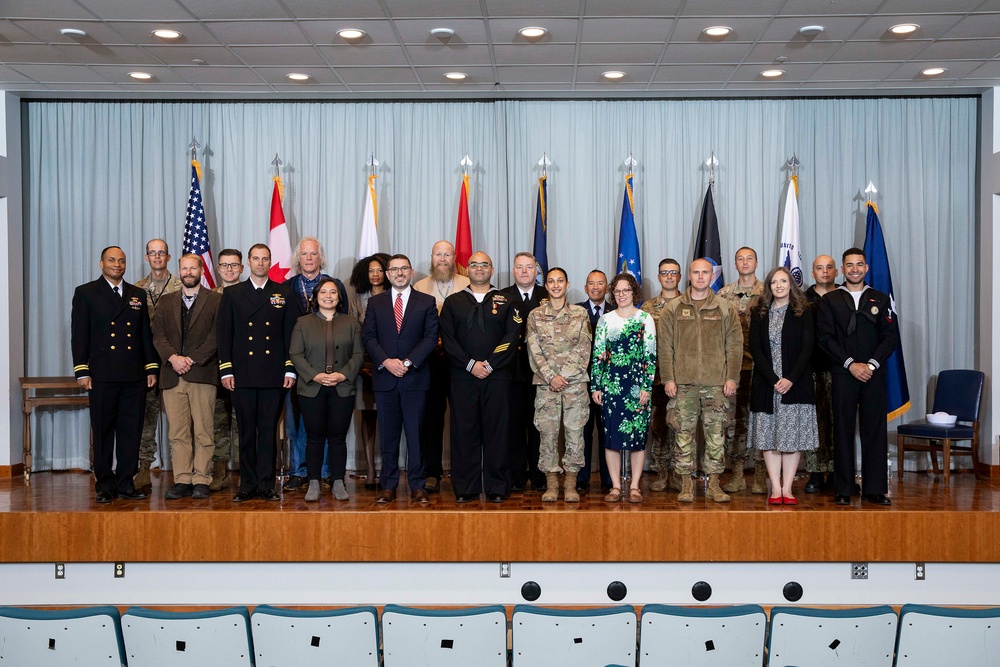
x=113, y=345
x=254, y=332
x=525, y=440
x=474, y=331
x=400, y=401
x=863, y=334
x=595, y=423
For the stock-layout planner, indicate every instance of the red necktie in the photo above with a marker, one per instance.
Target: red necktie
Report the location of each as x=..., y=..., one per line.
x=398, y=309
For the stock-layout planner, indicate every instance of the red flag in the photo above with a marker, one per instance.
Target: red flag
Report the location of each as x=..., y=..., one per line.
x=463, y=233
x=279, y=241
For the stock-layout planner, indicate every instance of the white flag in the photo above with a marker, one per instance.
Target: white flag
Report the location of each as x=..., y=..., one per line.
x=790, y=250
x=368, y=245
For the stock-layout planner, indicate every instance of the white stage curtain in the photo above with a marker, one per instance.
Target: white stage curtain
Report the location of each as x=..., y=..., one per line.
x=117, y=173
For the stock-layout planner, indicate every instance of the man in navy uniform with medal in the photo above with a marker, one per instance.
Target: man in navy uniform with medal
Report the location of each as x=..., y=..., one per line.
x=857, y=328
x=255, y=321
x=115, y=361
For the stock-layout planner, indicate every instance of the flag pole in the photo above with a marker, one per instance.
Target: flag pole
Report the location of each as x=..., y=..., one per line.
x=194, y=146
x=626, y=471
x=545, y=162
x=870, y=190
x=710, y=163
x=793, y=165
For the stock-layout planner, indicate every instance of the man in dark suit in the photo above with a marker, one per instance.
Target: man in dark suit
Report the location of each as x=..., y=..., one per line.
x=184, y=334
x=524, y=438
x=858, y=329
x=114, y=360
x=254, y=323
x=400, y=333
x=597, y=290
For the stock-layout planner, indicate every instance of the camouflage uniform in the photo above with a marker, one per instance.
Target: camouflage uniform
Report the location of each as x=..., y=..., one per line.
x=227, y=437
x=714, y=408
x=559, y=344
x=663, y=438
x=151, y=414
x=736, y=432
x=821, y=458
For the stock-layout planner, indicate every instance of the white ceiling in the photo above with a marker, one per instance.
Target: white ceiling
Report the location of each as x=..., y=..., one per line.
x=248, y=46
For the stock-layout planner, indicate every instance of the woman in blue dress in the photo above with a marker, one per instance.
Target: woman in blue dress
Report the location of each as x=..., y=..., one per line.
x=624, y=363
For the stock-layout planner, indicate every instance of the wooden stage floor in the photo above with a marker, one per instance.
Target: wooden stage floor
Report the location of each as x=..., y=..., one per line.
x=56, y=519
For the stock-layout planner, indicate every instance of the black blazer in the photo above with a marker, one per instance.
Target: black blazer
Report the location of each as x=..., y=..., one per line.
x=254, y=332
x=522, y=367
x=110, y=335
x=798, y=339
x=416, y=339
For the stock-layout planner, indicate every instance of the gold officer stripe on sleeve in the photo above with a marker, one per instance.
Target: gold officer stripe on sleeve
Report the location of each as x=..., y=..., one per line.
x=81, y=367
x=501, y=347
x=152, y=367
x=224, y=365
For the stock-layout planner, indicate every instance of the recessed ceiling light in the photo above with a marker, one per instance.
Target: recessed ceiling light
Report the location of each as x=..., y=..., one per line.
x=166, y=33
x=298, y=76
x=811, y=30
x=72, y=32
x=443, y=33
x=717, y=30
x=141, y=76
x=904, y=29
x=613, y=74
x=934, y=71
x=198, y=61
x=351, y=34
x=772, y=73
x=456, y=76
x=532, y=32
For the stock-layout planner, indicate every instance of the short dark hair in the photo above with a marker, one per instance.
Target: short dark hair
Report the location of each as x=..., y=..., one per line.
x=560, y=270
x=314, y=299
x=231, y=251
x=633, y=285
x=853, y=251
x=104, y=252
x=745, y=247
x=598, y=271
x=258, y=246
x=400, y=255
x=668, y=260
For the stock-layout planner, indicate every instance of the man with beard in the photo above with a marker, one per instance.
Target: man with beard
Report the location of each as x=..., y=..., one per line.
x=185, y=337
x=479, y=329
x=441, y=283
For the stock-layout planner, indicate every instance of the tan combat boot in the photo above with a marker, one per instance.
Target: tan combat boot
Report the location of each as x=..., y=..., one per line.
x=686, y=494
x=675, y=481
x=759, y=478
x=660, y=483
x=220, y=477
x=737, y=482
x=551, y=487
x=141, y=479
x=569, y=488
x=714, y=491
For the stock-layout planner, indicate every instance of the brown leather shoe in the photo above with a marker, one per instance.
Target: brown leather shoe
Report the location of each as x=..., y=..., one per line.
x=420, y=496
x=386, y=496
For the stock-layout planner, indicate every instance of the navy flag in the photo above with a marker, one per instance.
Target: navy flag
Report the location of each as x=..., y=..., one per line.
x=628, y=239
x=708, y=245
x=539, y=249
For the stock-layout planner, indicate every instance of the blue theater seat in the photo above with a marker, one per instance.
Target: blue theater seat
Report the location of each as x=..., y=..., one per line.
x=475, y=636
x=544, y=637
x=934, y=636
x=702, y=636
x=42, y=638
x=315, y=638
x=862, y=637
x=219, y=638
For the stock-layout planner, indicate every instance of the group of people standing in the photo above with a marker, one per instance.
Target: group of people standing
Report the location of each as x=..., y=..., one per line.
x=519, y=367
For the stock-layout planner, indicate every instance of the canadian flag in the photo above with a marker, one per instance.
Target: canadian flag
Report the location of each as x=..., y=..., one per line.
x=279, y=241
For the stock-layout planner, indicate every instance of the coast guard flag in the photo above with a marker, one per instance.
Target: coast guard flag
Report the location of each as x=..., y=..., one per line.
x=708, y=246
x=628, y=240
x=463, y=232
x=278, y=240
x=539, y=249
x=790, y=250
x=368, y=245
x=879, y=277
x=195, y=230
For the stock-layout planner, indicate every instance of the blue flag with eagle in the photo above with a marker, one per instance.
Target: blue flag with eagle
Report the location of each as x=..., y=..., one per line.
x=628, y=240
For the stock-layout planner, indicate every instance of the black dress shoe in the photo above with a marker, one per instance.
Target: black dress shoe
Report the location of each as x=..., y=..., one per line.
x=842, y=500
x=131, y=494
x=200, y=492
x=517, y=486
x=294, y=483
x=876, y=498
x=815, y=483
x=104, y=497
x=495, y=497
x=269, y=495
x=466, y=498
x=583, y=487
x=179, y=491
x=242, y=496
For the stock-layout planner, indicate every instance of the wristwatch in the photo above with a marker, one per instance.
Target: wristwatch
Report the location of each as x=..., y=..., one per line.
x=407, y=363
x=872, y=367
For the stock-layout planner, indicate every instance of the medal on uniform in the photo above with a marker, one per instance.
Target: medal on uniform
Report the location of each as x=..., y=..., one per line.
x=874, y=310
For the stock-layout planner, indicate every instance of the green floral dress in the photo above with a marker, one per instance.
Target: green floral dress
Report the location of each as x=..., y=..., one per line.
x=624, y=363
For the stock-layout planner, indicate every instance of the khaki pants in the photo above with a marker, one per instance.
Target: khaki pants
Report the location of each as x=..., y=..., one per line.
x=190, y=408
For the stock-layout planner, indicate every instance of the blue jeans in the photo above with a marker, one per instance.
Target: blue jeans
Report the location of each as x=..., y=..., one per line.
x=295, y=429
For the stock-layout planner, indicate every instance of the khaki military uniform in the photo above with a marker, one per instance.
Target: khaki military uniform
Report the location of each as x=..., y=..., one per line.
x=663, y=438
x=559, y=345
x=151, y=413
x=736, y=432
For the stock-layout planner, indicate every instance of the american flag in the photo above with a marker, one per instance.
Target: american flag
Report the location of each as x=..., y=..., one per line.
x=195, y=231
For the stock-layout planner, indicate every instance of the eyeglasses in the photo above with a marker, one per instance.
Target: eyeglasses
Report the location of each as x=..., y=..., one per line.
x=398, y=269
x=622, y=292
x=156, y=253
x=230, y=265
x=479, y=265
x=670, y=272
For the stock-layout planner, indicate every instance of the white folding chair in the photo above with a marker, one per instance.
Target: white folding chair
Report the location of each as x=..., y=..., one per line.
x=933, y=636
x=220, y=638
x=862, y=637
x=41, y=638
x=545, y=636
x=315, y=638
x=414, y=637
x=702, y=636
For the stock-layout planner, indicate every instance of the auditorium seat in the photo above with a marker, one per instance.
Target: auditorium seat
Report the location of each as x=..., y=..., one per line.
x=219, y=638
x=862, y=637
x=702, y=636
x=934, y=636
x=37, y=638
x=544, y=637
x=465, y=637
x=315, y=638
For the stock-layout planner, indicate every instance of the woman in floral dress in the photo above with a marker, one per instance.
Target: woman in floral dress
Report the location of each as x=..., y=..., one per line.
x=624, y=363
